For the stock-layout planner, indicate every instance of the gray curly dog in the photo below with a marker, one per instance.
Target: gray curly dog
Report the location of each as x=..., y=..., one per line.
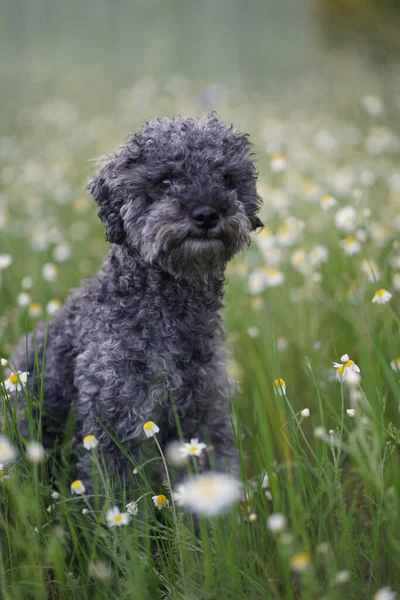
x=178, y=201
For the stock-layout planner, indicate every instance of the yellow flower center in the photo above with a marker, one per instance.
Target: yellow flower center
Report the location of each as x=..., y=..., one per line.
x=272, y=272
x=349, y=363
x=266, y=232
x=13, y=378
x=35, y=306
x=381, y=293
x=350, y=239
x=161, y=499
x=339, y=370
x=302, y=559
x=118, y=518
x=89, y=438
x=193, y=449
x=1, y=473
x=279, y=156
x=148, y=425
x=279, y=382
x=76, y=484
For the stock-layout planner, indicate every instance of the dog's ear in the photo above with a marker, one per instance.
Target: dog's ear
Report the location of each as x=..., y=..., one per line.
x=109, y=197
x=256, y=223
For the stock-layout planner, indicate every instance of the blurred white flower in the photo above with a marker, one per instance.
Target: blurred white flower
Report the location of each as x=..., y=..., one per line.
x=4, y=362
x=23, y=300
x=341, y=577
x=282, y=343
x=61, y=253
x=351, y=245
x=132, y=508
x=345, y=219
x=395, y=364
x=276, y=522
x=253, y=332
x=318, y=255
x=273, y=278
x=278, y=163
x=7, y=451
x=27, y=283
x=372, y=105
x=35, y=310
x=369, y=268
x=50, y=272
x=327, y=202
x=5, y=261
x=35, y=452
x=256, y=281
x=305, y=413
x=115, y=518
x=300, y=562
x=385, y=593
x=209, y=494
x=382, y=297
x=53, y=306
x=351, y=412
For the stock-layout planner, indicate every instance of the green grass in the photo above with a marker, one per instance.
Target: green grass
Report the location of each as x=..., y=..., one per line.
x=340, y=492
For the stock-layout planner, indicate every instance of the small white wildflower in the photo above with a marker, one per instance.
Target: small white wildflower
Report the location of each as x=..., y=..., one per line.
x=320, y=432
x=256, y=282
x=300, y=562
x=160, y=501
x=341, y=577
x=327, y=202
x=61, y=253
x=373, y=105
x=273, y=278
x=85, y=511
x=7, y=451
x=50, y=272
x=253, y=332
x=276, y=522
x=53, y=306
x=5, y=261
x=16, y=381
x=150, y=429
x=382, y=297
x=115, y=518
x=4, y=362
x=210, y=494
x=55, y=495
x=252, y=517
x=351, y=412
x=345, y=219
x=193, y=448
x=278, y=163
x=132, y=508
x=385, y=593
x=395, y=364
x=35, y=310
x=27, y=283
x=23, y=300
x=370, y=269
x=279, y=386
x=90, y=442
x=351, y=245
x=77, y=487
x=35, y=452
x=305, y=413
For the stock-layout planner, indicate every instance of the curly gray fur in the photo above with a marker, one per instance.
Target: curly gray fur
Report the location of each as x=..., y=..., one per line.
x=147, y=327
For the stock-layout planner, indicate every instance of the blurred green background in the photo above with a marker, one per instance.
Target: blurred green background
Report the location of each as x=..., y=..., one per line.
x=86, y=51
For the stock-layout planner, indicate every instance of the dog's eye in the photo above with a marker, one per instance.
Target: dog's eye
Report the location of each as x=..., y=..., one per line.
x=228, y=182
x=165, y=183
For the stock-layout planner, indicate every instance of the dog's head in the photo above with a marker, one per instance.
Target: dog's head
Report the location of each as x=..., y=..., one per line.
x=182, y=192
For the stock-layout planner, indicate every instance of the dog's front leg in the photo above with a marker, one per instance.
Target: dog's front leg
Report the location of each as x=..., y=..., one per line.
x=219, y=425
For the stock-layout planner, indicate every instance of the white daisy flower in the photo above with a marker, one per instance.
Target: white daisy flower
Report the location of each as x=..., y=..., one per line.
x=273, y=277
x=23, y=299
x=35, y=310
x=395, y=364
x=16, y=381
x=381, y=297
x=35, y=452
x=209, y=494
x=253, y=332
x=345, y=367
x=351, y=412
x=305, y=413
x=5, y=261
x=7, y=451
x=278, y=163
x=385, y=593
x=327, y=202
x=160, y=501
x=265, y=239
x=345, y=219
x=4, y=362
x=276, y=522
x=55, y=495
x=27, y=283
x=77, y=487
x=318, y=255
x=150, y=429
x=90, y=442
x=132, y=508
x=256, y=282
x=351, y=245
x=53, y=306
x=193, y=448
x=279, y=386
x=50, y=272
x=115, y=518
x=300, y=562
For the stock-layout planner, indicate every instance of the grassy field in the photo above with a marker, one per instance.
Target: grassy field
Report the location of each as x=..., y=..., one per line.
x=322, y=458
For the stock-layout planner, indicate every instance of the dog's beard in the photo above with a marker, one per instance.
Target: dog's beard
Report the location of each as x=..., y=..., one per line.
x=172, y=242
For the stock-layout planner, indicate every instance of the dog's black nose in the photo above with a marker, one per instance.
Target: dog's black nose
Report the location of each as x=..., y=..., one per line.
x=205, y=217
